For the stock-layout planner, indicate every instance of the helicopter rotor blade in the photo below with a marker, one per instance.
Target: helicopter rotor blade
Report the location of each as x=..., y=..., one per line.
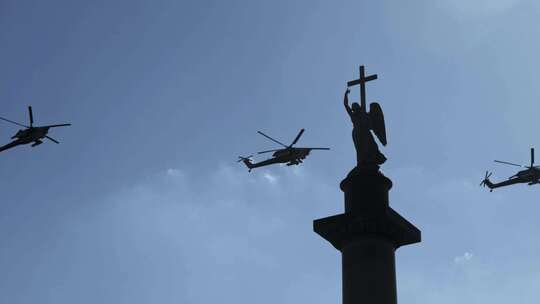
x=297, y=137
x=507, y=163
x=315, y=148
x=60, y=125
x=52, y=139
x=272, y=139
x=267, y=151
x=31, y=115
x=14, y=122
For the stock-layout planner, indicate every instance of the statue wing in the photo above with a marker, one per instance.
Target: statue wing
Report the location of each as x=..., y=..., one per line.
x=376, y=117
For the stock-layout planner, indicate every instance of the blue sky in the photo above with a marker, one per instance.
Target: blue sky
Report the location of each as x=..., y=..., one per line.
x=143, y=201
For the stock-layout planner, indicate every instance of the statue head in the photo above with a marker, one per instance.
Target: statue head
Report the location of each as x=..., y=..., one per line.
x=355, y=107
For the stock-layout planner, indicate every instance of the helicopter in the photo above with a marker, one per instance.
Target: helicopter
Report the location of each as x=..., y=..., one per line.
x=531, y=175
x=288, y=154
x=31, y=134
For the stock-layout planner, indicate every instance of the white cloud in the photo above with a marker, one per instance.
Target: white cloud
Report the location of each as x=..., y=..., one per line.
x=465, y=257
x=223, y=232
x=173, y=172
x=297, y=170
x=270, y=178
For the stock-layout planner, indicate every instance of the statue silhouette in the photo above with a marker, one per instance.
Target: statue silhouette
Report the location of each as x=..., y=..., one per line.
x=367, y=150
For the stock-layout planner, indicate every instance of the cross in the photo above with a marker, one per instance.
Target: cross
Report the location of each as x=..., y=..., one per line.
x=362, y=82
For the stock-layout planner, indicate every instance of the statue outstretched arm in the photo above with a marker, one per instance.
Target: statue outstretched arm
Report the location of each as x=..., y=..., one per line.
x=346, y=101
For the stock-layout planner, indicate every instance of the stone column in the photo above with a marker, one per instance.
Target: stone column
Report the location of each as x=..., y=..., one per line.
x=367, y=234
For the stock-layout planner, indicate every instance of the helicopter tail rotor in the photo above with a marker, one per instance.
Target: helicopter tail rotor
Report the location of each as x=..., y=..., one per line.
x=485, y=182
x=246, y=161
x=242, y=158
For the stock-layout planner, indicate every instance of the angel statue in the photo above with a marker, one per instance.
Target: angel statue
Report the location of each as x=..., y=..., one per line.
x=367, y=151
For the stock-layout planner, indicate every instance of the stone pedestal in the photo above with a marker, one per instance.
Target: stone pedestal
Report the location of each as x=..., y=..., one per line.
x=367, y=234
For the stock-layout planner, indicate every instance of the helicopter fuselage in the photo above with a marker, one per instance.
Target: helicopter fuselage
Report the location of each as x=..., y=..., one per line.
x=291, y=154
x=288, y=156
x=32, y=135
x=529, y=175
x=29, y=135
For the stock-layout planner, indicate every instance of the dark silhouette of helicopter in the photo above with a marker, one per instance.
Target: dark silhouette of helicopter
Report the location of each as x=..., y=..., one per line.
x=31, y=134
x=289, y=154
x=531, y=175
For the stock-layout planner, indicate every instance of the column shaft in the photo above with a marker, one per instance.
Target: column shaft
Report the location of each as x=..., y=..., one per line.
x=368, y=271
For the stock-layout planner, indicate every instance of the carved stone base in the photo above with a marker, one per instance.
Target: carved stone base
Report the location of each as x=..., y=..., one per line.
x=366, y=192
